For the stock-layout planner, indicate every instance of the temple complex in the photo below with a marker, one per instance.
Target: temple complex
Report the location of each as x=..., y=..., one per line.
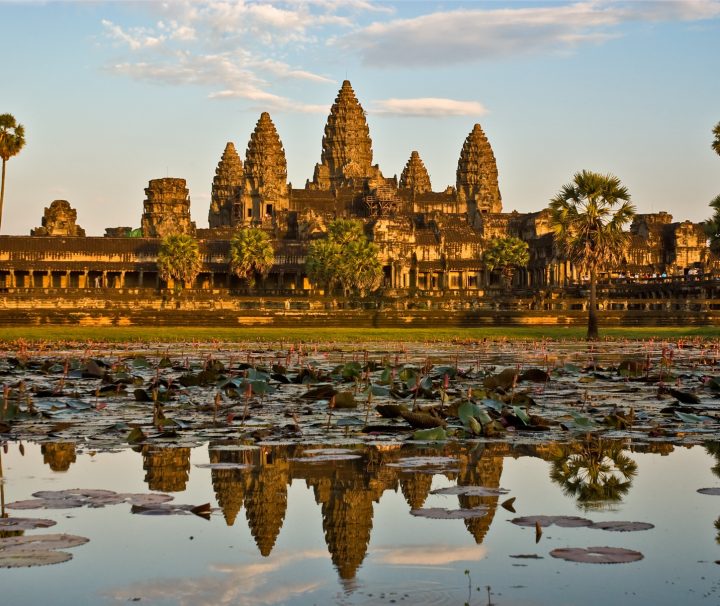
x=430, y=243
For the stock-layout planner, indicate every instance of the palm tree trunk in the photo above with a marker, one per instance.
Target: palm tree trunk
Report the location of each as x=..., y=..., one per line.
x=2, y=191
x=592, y=333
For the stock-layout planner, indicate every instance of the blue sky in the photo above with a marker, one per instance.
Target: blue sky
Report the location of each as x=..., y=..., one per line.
x=113, y=94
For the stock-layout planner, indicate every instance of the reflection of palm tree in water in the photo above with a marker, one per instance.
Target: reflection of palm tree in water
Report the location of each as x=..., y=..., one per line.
x=596, y=472
x=713, y=449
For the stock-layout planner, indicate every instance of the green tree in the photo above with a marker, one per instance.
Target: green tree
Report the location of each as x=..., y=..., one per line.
x=506, y=255
x=716, y=141
x=587, y=218
x=179, y=258
x=251, y=254
x=12, y=140
x=345, y=258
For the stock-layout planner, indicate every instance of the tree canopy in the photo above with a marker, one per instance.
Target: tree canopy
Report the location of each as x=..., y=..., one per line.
x=506, y=255
x=716, y=140
x=345, y=258
x=179, y=258
x=12, y=140
x=251, y=254
x=587, y=217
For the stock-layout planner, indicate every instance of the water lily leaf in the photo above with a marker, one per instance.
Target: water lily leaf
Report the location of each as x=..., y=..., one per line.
x=521, y=414
x=408, y=375
x=345, y=399
x=261, y=388
x=435, y=434
x=16, y=558
x=536, y=375
x=471, y=491
x=41, y=542
x=25, y=523
x=135, y=436
x=390, y=411
x=597, y=555
x=582, y=421
x=419, y=462
x=474, y=426
x=438, y=513
x=377, y=390
x=493, y=404
x=222, y=466
x=350, y=422
x=715, y=491
x=544, y=521
x=687, y=417
x=620, y=526
x=422, y=420
x=140, y=362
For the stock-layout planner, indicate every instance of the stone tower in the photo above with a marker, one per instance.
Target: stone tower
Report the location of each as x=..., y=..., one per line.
x=477, y=175
x=346, y=145
x=265, y=188
x=166, y=209
x=226, y=188
x=415, y=176
x=59, y=219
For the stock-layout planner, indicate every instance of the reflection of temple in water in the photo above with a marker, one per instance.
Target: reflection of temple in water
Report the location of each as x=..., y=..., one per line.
x=266, y=498
x=58, y=455
x=481, y=467
x=167, y=468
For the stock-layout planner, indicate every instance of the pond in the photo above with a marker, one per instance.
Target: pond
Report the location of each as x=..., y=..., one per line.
x=287, y=527
x=552, y=473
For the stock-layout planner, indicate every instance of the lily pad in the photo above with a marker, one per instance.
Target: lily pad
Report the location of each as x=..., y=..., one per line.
x=715, y=491
x=438, y=513
x=544, y=521
x=620, y=526
x=26, y=559
x=597, y=555
x=471, y=491
x=25, y=523
x=41, y=542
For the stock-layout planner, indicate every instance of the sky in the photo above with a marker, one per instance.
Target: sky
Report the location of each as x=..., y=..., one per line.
x=113, y=94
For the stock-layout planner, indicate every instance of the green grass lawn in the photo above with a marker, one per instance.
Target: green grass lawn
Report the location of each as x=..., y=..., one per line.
x=345, y=335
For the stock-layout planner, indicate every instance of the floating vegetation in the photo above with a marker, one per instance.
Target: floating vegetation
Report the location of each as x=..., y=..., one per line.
x=438, y=513
x=78, y=497
x=597, y=555
x=37, y=550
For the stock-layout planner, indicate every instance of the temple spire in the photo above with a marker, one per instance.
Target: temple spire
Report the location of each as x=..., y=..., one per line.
x=477, y=174
x=415, y=176
x=346, y=145
x=265, y=176
x=226, y=187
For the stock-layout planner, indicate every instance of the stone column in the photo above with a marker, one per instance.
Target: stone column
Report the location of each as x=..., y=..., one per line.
x=104, y=279
x=140, y=278
x=122, y=279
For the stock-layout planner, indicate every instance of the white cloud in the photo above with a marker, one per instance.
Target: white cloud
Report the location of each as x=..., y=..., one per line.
x=468, y=35
x=432, y=107
x=235, y=49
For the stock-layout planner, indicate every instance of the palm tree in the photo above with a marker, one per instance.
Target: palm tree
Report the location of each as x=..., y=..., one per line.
x=595, y=471
x=506, y=254
x=12, y=140
x=251, y=254
x=345, y=258
x=587, y=218
x=716, y=142
x=179, y=258
x=712, y=225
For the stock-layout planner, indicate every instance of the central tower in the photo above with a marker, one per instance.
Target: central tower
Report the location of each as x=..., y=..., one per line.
x=346, y=145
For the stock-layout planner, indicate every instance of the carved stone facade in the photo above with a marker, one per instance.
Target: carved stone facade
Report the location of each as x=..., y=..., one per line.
x=430, y=242
x=166, y=209
x=226, y=188
x=59, y=219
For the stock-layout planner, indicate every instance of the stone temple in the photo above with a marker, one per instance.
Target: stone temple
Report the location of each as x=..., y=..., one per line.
x=431, y=242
